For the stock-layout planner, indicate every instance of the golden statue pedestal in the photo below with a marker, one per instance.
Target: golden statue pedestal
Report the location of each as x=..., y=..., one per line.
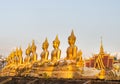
x=56, y=71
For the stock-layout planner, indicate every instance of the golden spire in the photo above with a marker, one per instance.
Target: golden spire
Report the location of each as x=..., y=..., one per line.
x=57, y=39
x=101, y=47
x=72, y=35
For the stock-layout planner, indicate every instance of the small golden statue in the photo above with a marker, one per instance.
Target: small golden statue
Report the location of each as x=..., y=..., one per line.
x=79, y=60
x=72, y=49
x=102, y=74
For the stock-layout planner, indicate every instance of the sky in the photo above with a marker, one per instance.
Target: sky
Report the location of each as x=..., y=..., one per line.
x=21, y=21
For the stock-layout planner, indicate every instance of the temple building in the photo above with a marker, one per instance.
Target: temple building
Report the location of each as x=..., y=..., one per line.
x=102, y=60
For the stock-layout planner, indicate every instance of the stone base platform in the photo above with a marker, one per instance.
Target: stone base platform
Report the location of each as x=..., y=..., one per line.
x=35, y=80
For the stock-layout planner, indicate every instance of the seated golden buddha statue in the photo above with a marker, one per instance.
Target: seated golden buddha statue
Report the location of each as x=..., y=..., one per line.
x=8, y=62
x=21, y=65
x=20, y=56
x=14, y=63
x=55, y=55
x=16, y=57
x=27, y=58
x=9, y=59
x=72, y=49
x=12, y=57
x=9, y=66
x=45, y=52
x=34, y=54
x=25, y=67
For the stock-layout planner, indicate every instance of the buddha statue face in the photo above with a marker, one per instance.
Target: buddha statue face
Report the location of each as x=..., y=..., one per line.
x=44, y=46
x=33, y=48
x=55, y=45
x=71, y=41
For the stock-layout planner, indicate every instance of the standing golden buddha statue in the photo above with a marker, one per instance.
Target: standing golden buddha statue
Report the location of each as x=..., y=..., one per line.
x=33, y=50
x=55, y=55
x=72, y=49
x=45, y=52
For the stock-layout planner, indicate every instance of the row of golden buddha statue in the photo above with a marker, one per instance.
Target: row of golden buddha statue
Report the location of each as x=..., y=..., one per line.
x=15, y=60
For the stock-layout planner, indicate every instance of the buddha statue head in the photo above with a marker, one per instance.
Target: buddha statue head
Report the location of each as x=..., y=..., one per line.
x=12, y=53
x=72, y=38
x=16, y=52
x=28, y=50
x=45, y=44
x=20, y=51
x=56, y=42
x=12, y=56
x=33, y=47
